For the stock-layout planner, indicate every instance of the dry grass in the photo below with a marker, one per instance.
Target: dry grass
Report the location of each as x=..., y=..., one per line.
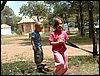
x=18, y=49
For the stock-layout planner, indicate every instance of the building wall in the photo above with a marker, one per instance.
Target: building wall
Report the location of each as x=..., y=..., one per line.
x=27, y=27
x=6, y=31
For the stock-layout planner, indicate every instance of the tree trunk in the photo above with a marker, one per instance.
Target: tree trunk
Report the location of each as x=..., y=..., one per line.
x=81, y=18
x=90, y=28
x=3, y=4
x=78, y=23
x=93, y=29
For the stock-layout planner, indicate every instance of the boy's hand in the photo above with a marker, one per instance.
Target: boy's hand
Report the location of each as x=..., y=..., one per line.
x=34, y=48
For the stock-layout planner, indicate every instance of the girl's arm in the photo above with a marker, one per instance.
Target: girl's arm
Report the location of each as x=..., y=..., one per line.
x=56, y=43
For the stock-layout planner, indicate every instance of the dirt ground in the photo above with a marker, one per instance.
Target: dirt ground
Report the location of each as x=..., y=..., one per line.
x=19, y=50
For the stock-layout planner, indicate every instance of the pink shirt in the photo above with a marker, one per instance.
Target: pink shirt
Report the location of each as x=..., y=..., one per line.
x=55, y=37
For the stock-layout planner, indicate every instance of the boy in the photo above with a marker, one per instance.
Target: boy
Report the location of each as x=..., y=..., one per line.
x=37, y=46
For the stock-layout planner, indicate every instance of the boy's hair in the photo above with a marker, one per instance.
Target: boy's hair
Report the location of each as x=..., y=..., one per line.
x=38, y=25
x=55, y=21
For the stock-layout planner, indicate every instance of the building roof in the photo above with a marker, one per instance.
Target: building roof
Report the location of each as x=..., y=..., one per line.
x=5, y=26
x=26, y=20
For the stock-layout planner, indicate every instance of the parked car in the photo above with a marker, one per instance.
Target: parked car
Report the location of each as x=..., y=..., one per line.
x=65, y=27
x=96, y=26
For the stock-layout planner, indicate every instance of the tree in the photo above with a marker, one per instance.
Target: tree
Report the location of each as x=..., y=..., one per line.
x=7, y=14
x=86, y=11
x=61, y=9
x=76, y=7
x=8, y=17
x=91, y=22
x=34, y=8
x=81, y=18
x=3, y=19
x=78, y=22
x=90, y=7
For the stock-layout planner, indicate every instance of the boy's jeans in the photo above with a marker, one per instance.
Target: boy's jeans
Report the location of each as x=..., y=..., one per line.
x=38, y=55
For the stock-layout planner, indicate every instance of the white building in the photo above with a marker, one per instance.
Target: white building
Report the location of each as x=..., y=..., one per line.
x=5, y=29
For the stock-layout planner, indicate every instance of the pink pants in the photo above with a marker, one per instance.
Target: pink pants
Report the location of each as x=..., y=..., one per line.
x=61, y=62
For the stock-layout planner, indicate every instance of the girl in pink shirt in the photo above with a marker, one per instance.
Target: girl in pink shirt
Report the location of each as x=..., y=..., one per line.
x=57, y=39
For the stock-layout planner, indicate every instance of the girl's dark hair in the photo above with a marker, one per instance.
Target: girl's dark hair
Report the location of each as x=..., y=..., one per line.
x=55, y=22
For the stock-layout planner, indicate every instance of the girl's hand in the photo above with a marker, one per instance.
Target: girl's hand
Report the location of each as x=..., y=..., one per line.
x=61, y=42
x=66, y=42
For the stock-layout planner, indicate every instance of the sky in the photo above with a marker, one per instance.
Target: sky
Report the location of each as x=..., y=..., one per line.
x=15, y=6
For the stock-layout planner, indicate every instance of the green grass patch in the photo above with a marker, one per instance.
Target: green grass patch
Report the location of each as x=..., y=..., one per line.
x=78, y=39
x=72, y=37
x=83, y=65
x=77, y=60
x=4, y=41
x=77, y=65
x=20, y=68
x=75, y=38
x=7, y=39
